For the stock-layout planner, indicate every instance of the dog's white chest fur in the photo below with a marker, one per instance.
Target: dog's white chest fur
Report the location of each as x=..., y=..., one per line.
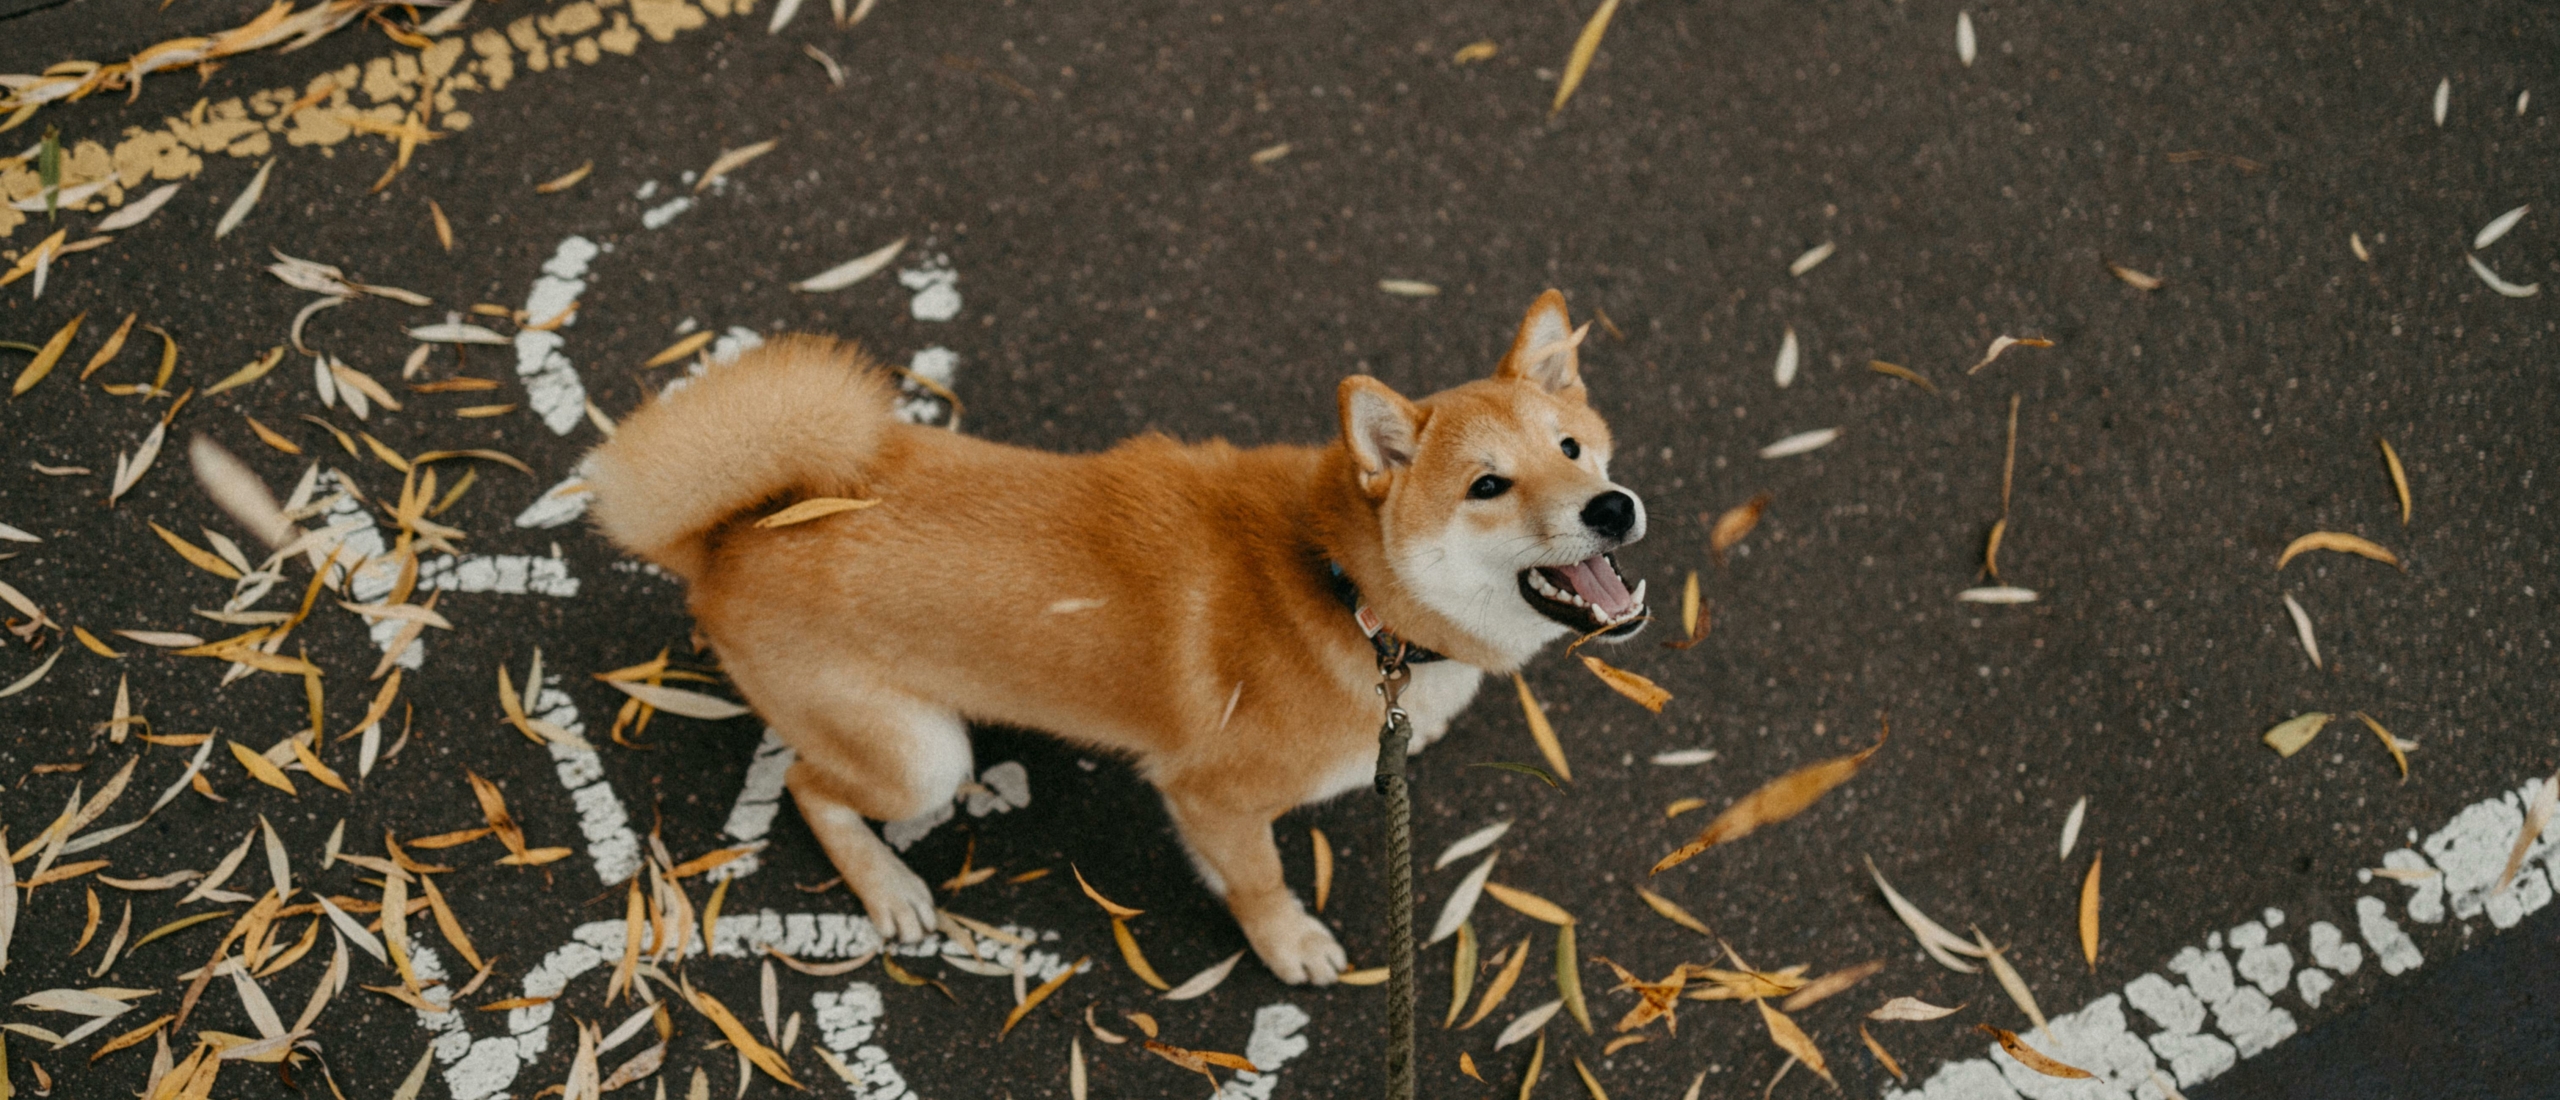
x=1439, y=690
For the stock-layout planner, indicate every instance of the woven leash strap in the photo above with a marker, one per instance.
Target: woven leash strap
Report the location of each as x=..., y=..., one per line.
x=1394, y=735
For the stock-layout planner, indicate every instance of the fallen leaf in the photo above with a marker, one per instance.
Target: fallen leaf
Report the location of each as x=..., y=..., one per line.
x=1998, y=594
x=2535, y=817
x=1540, y=731
x=195, y=555
x=47, y=356
x=813, y=508
x=1537, y=1054
x=1778, y=800
x=1469, y=54
x=2498, y=227
x=1934, y=938
x=1324, y=866
x=1731, y=528
x=1882, y=1058
x=247, y=201
x=1683, y=806
x=1791, y=1038
x=1811, y=258
x=2490, y=277
x=1115, y=909
x=444, y=228
x=1897, y=370
x=1462, y=901
x=1528, y=904
x=1645, y=692
x=1788, y=356
x=690, y=704
x=2399, y=477
x=2002, y=344
x=1964, y=38
x=255, y=370
x=2011, y=982
x=2389, y=743
x=1503, y=980
x=1462, y=973
x=261, y=769
x=2302, y=628
x=1467, y=1065
x=564, y=181
x=835, y=278
x=1912, y=1008
x=1578, y=63
x=1569, y=977
x=2029, y=1056
x=1830, y=985
x=137, y=211
x=2336, y=541
x=1203, y=981
x=680, y=348
x=1269, y=154
x=1409, y=288
x=1471, y=843
x=764, y=1057
x=1527, y=1024
x=2288, y=737
x=1800, y=443
x=1136, y=959
x=2089, y=911
x=731, y=160
x=2135, y=279
x=1041, y=993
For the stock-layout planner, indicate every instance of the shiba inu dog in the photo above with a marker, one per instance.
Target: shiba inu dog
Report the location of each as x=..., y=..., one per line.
x=1213, y=614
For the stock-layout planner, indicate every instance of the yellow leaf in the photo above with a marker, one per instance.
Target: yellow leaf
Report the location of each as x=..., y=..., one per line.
x=731, y=160
x=2389, y=743
x=680, y=349
x=2089, y=912
x=1671, y=911
x=1324, y=866
x=1735, y=525
x=1032, y=999
x=1468, y=54
x=1528, y=904
x=1829, y=985
x=1579, y=62
x=444, y=228
x=45, y=358
x=2289, y=736
x=1117, y=910
x=197, y=556
x=1569, y=978
x=256, y=369
x=1502, y=983
x=327, y=776
x=2399, y=477
x=565, y=182
x=269, y=437
x=1897, y=370
x=384, y=452
x=1882, y=1058
x=1646, y=693
x=95, y=646
x=447, y=923
x=813, y=508
x=1541, y=732
x=1462, y=973
x=1791, y=1038
x=114, y=344
x=1683, y=806
x=1467, y=1065
x=2338, y=541
x=1589, y=1083
x=261, y=769
x=1376, y=975
x=1537, y=1054
x=1782, y=798
x=764, y=1057
x=1137, y=960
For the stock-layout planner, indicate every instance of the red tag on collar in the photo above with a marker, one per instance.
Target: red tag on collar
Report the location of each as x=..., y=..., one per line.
x=1368, y=620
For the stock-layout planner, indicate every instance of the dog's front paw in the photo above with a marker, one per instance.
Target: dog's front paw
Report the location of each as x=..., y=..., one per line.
x=1299, y=949
x=899, y=903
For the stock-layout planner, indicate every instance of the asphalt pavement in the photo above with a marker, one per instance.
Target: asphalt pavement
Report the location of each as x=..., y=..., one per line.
x=2248, y=230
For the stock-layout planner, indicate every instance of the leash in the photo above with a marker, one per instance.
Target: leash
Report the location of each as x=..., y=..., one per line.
x=1394, y=735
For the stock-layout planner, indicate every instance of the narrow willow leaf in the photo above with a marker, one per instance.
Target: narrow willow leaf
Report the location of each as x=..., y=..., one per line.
x=840, y=276
x=1645, y=692
x=1882, y=1058
x=2302, y=628
x=1503, y=980
x=138, y=211
x=2490, y=277
x=1934, y=938
x=1904, y=373
x=2389, y=743
x=2030, y=1057
x=2136, y=279
x=1528, y=904
x=1471, y=843
x=247, y=201
x=1800, y=443
x=1788, y=356
x=1462, y=901
x=1115, y=909
x=1964, y=38
x=813, y=508
x=1541, y=732
x=2089, y=911
x=1204, y=981
x=1782, y=798
x=1462, y=973
x=690, y=704
x=1569, y=977
x=1136, y=959
x=2002, y=344
x=1527, y=1024
x=1671, y=911
x=680, y=349
x=2399, y=477
x=1585, y=47
x=1912, y=1008
x=731, y=160
x=1041, y=993
x=1792, y=1039
x=1812, y=258
x=565, y=180
x=1830, y=985
x=1324, y=866
x=2011, y=982
x=47, y=356
x=1731, y=528
x=2498, y=227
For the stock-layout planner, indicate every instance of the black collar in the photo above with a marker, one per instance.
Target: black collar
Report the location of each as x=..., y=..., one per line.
x=1385, y=641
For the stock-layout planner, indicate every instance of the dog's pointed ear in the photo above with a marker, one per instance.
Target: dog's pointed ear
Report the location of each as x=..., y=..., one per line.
x=1380, y=426
x=1547, y=350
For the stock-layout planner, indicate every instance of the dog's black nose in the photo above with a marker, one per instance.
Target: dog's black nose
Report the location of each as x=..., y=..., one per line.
x=1611, y=514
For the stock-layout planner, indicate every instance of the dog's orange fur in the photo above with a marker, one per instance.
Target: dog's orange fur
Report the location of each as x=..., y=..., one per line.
x=1122, y=600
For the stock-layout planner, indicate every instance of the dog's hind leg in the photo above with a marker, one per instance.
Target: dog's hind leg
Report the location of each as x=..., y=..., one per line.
x=888, y=757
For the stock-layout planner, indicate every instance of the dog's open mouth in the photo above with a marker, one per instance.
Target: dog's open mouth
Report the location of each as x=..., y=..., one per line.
x=1585, y=596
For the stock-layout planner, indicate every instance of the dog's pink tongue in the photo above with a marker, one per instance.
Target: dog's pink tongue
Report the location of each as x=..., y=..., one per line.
x=1594, y=581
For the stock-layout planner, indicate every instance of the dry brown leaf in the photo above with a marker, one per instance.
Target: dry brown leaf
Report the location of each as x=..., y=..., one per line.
x=2089, y=910
x=1585, y=46
x=2536, y=816
x=1671, y=911
x=1198, y=1061
x=1782, y=798
x=1541, y=732
x=1792, y=1039
x=1682, y=806
x=444, y=228
x=1695, y=621
x=1882, y=1058
x=1897, y=370
x=1830, y=985
x=1528, y=904
x=1735, y=524
x=2030, y=1057
x=2340, y=542
x=1136, y=959
x=2003, y=344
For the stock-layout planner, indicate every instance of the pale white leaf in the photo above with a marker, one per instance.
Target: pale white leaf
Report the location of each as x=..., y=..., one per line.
x=2005, y=593
x=2499, y=226
x=2444, y=99
x=239, y=492
x=852, y=271
x=2302, y=628
x=2071, y=825
x=1203, y=981
x=1911, y=1009
x=691, y=704
x=1800, y=443
x=1409, y=288
x=1964, y=38
x=1462, y=901
x=1812, y=258
x=1934, y=938
x=1683, y=758
x=1528, y=1024
x=2512, y=290
x=247, y=201
x=16, y=535
x=456, y=332
x=1787, y=357
x=139, y=210
x=1471, y=843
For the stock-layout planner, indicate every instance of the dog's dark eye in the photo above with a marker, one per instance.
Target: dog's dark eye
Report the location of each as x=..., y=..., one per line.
x=1571, y=448
x=1489, y=486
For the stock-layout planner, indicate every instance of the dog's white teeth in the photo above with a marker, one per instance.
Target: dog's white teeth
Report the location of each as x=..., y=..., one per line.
x=1639, y=604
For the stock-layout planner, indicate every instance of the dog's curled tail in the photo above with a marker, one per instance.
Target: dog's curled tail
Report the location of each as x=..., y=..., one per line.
x=801, y=415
